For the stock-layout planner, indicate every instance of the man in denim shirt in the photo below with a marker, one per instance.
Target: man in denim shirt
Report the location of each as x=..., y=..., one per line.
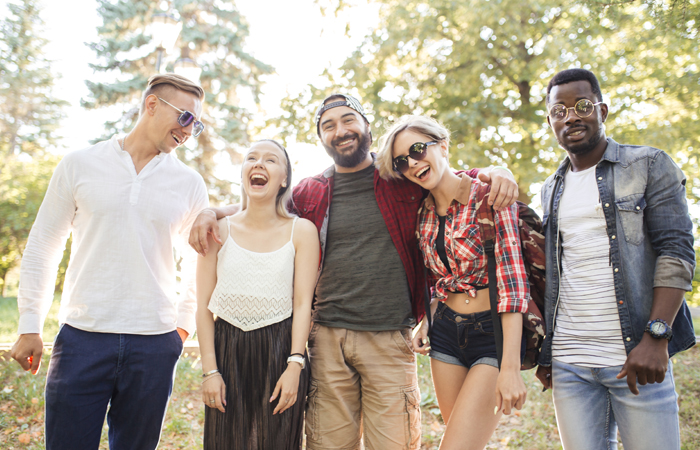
x=620, y=256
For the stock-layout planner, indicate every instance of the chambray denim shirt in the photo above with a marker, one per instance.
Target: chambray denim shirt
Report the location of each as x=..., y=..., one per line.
x=642, y=192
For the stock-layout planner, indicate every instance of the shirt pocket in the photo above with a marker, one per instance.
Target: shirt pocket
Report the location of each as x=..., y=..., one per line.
x=466, y=243
x=631, y=212
x=406, y=197
x=306, y=209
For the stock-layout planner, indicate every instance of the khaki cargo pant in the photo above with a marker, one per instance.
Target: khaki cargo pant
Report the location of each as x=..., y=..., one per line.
x=362, y=381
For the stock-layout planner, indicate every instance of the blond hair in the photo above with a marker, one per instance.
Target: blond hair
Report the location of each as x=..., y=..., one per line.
x=284, y=196
x=419, y=124
x=164, y=82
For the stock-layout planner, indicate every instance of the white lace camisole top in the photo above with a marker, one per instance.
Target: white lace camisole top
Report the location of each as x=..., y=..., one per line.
x=253, y=289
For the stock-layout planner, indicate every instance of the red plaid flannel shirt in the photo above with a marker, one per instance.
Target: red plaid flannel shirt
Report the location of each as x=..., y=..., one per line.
x=466, y=255
x=398, y=202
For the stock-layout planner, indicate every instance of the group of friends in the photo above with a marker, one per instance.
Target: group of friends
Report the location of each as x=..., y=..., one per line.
x=310, y=302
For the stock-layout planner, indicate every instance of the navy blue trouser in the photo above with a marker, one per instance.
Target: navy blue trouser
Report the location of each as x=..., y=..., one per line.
x=89, y=372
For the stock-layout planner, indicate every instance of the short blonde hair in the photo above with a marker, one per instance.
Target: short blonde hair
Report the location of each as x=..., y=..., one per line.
x=419, y=124
x=284, y=196
x=163, y=82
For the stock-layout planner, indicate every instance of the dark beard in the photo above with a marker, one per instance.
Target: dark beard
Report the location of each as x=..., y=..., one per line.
x=353, y=159
x=585, y=147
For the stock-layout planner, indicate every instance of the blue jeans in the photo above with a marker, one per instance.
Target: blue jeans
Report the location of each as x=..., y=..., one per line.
x=132, y=374
x=592, y=403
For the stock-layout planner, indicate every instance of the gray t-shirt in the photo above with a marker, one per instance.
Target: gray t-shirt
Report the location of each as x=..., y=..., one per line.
x=363, y=284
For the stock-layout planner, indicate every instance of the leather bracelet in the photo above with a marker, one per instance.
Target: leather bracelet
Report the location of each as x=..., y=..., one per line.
x=297, y=354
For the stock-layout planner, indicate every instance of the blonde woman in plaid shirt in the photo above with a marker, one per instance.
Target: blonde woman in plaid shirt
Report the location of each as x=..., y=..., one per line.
x=471, y=392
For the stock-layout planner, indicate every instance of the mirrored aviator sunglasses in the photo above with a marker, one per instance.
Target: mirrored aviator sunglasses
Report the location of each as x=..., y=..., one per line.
x=186, y=118
x=417, y=152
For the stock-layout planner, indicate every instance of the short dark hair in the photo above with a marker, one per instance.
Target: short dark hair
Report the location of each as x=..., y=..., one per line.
x=571, y=75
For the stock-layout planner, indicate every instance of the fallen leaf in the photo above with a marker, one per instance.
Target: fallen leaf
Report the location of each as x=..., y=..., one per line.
x=24, y=438
x=190, y=405
x=35, y=400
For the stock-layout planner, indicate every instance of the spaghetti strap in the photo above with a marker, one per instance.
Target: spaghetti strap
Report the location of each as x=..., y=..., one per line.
x=293, y=223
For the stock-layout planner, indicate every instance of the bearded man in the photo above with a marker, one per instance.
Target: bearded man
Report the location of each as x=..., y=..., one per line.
x=370, y=290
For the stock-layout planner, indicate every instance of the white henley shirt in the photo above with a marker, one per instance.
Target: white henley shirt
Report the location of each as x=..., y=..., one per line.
x=121, y=277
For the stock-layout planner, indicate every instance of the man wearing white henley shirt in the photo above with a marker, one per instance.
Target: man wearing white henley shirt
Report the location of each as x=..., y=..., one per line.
x=128, y=203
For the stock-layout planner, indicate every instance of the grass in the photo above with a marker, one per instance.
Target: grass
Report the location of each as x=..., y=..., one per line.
x=10, y=318
x=533, y=428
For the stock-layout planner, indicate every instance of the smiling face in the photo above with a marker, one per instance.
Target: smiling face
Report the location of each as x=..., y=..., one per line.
x=578, y=136
x=345, y=135
x=264, y=171
x=429, y=171
x=168, y=134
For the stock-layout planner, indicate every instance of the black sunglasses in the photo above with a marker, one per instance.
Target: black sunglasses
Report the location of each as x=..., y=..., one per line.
x=417, y=152
x=187, y=118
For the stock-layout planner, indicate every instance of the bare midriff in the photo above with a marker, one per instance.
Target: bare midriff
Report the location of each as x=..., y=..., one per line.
x=457, y=302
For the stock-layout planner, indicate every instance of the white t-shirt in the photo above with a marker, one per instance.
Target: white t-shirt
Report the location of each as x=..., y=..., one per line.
x=587, y=325
x=121, y=277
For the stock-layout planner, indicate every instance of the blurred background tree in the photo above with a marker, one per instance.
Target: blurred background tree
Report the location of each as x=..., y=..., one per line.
x=213, y=33
x=29, y=119
x=481, y=67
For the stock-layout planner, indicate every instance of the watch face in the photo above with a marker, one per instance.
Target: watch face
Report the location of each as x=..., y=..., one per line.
x=658, y=328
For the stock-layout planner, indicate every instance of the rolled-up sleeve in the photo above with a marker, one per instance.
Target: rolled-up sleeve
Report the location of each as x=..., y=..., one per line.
x=669, y=226
x=513, y=287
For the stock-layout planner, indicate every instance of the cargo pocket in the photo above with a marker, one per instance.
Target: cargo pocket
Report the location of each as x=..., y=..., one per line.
x=412, y=402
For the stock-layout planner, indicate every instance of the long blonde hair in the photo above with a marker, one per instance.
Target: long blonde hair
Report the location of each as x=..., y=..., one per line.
x=284, y=196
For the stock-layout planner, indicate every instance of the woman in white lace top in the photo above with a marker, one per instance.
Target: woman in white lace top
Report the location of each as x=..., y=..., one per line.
x=259, y=283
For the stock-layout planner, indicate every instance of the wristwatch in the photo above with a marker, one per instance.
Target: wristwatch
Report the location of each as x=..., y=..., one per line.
x=297, y=359
x=659, y=329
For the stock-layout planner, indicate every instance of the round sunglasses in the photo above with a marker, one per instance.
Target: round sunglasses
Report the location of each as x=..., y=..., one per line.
x=583, y=108
x=416, y=152
x=187, y=118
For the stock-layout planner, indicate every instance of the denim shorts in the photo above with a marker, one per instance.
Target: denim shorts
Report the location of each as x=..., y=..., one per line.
x=464, y=339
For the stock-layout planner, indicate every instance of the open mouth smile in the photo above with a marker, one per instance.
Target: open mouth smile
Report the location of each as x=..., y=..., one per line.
x=423, y=173
x=258, y=179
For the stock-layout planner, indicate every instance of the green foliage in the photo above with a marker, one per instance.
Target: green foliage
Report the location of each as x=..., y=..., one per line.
x=481, y=67
x=213, y=33
x=10, y=320
x=29, y=116
x=22, y=188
